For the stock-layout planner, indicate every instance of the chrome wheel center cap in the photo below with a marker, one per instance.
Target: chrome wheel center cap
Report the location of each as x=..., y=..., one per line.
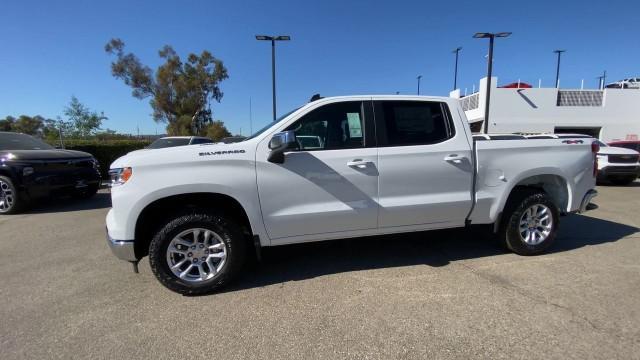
x=199, y=252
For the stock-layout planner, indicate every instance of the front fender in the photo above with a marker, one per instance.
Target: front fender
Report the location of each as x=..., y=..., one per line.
x=247, y=199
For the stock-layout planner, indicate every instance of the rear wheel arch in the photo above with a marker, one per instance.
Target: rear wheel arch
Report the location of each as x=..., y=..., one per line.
x=553, y=185
x=4, y=171
x=156, y=214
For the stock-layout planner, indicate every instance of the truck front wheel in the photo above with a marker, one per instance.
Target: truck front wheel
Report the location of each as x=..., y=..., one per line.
x=530, y=222
x=197, y=252
x=10, y=201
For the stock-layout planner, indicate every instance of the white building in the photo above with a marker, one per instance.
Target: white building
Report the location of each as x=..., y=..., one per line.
x=609, y=114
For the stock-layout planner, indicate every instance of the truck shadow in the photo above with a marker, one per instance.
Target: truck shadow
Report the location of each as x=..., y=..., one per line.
x=436, y=248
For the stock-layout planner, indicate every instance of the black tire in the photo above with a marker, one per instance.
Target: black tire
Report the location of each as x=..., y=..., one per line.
x=12, y=202
x=227, y=229
x=623, y=180
x=518, y=203
x=87, y=193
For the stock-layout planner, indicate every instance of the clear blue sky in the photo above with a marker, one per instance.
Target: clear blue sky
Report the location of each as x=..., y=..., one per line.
x=51, y=50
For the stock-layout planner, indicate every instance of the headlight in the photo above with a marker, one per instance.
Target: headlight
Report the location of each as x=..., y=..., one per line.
x=120, y=176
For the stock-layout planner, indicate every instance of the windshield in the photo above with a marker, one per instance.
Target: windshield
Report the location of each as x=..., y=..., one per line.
x=16, y=141
x=270, y=125
x=168, y=142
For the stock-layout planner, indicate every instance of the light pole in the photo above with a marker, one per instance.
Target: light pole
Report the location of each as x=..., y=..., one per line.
x=455, y=71
x=601, y=80
x=559, y=52
x=419, y=77
x=491, y=37
x=273, y=40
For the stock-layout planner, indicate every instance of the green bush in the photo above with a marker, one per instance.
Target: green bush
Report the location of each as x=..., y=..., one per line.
x=105, y=152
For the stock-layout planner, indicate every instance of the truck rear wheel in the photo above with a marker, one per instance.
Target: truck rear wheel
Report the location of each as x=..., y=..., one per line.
x=197, y=253
x=530, y=222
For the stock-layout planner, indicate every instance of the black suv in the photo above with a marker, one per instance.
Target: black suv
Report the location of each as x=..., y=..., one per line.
x=31, y=169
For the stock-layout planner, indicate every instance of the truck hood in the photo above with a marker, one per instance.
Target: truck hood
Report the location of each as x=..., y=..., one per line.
x=53, y=154
x=613, y=150
x=186, y=154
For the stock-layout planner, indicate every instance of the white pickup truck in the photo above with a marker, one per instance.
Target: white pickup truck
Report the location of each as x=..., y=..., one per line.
x=382, y=165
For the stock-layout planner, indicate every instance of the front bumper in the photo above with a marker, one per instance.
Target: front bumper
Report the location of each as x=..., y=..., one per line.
x=619, y=170
x=122, y=249
x=42, y=184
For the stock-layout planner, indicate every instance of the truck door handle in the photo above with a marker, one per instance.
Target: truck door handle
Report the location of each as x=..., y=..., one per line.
x=454, y=158
x=358, y=163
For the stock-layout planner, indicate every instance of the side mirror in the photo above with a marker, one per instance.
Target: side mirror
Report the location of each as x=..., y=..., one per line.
x=280, y=143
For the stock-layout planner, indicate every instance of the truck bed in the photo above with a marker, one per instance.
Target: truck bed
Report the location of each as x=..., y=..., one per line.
x=506, y=161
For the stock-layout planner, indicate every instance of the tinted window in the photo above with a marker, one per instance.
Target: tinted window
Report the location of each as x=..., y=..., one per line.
x=414, y=122
x=333, y=126
x=15, y=141
x=168, y=142
x=201, y=141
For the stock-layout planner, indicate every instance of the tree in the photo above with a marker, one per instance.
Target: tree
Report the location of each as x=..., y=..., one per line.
x=52, y=129
x=28, y=125
x=84, y=121
x=6, y=124
x=216, y=131
x=178, y=90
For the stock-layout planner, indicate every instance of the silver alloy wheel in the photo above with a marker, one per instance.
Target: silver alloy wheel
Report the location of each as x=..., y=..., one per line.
x=196, y=255
x=6, y=196
x=536, y=224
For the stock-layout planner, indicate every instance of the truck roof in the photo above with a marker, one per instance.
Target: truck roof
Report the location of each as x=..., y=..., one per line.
x=386, y=97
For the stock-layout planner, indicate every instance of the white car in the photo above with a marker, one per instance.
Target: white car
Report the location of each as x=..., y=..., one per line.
x=630, y=83
x=173, y=141
x=384, y=165
x=618, y=165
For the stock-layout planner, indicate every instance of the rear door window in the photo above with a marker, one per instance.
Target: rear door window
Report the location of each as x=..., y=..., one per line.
x=406, y=123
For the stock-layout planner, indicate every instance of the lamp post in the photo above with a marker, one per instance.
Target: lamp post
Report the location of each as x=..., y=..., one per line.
x=491, y=37
x=559, y=52
x=273, y=40
x=455, y=71
x=419, y=77
x=601, y=80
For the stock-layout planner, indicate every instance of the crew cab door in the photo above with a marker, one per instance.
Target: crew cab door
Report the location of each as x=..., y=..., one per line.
x=327, y=186
x=425, y=166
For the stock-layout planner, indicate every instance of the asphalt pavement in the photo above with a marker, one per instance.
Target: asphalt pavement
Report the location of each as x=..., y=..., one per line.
x=445, y=294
